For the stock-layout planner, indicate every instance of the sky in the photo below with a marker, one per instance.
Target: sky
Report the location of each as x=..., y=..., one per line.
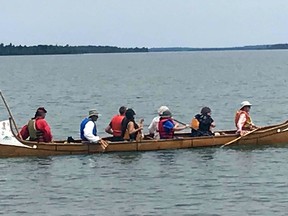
x=144, y=23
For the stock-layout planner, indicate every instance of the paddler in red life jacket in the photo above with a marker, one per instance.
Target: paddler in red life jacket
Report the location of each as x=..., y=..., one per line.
x=243, y=120
x=153, y=127
x=167, y=126
x=37, y=129
x=115, y=127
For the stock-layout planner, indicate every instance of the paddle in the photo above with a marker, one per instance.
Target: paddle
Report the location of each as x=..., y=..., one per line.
x=238, y=138
x=179, y=122
x=103, y=144
x=9, y=111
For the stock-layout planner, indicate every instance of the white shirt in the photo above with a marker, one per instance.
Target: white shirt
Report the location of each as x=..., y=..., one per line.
x=153, y=127
x=88, y=132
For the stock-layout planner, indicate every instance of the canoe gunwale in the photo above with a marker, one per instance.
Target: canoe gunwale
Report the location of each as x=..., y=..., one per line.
x=266, y=135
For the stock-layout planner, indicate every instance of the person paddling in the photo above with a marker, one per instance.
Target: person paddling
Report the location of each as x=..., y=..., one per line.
x=37, y=129
x=243, y=121
x=115, y=125
x=130, y=129
x=203, y=123
x=167, y=126
x=153, y=127
x=88, y=129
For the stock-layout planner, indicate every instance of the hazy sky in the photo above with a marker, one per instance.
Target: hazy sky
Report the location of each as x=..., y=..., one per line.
x=148, y=23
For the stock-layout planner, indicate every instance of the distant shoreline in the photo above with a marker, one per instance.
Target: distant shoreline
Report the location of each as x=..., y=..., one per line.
x=8, y=50
x=256, y=47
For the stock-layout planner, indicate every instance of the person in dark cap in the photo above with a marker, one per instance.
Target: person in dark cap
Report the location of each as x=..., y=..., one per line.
x=37, y=129
x=130, y=129
x=203, y=123
x=115, y=125
x=167, y=126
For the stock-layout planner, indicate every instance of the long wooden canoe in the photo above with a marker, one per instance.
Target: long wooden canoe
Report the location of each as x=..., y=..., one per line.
x=14, y=147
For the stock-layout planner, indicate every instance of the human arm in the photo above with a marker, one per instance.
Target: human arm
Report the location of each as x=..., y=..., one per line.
x=178, y=127
x=24, y=132
x=131, y=129
x=108, y=129
x=88, y=132
x=43, y=126
x=153, y=126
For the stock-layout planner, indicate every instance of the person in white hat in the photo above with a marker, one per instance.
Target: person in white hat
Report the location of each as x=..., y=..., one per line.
x=243, y=121
x=153, y=127
x=88, y=129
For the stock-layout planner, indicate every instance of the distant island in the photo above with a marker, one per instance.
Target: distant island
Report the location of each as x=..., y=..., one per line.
x=256, y=47
x=56, y=49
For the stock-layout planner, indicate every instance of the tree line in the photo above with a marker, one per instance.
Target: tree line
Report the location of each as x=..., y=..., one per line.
x=56, y=49
x=256, y=47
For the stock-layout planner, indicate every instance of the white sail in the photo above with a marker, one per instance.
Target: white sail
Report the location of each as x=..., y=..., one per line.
x=7, y=137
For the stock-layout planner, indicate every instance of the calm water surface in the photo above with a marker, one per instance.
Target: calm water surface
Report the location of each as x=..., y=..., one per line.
x=210, y=181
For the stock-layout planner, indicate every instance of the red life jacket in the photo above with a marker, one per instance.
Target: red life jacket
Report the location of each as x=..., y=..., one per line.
x=115, y=124
x=163, y=134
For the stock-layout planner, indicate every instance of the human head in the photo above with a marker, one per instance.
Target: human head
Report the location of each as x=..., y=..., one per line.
x=166, y=113
x=245, y=105
x=93, y=114
x=162, y=109
x=40, y=112
x=122, y=110
x=205, y=111
x=130, y=114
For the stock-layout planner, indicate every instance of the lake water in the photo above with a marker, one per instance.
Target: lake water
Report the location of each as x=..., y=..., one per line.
x=209, y=181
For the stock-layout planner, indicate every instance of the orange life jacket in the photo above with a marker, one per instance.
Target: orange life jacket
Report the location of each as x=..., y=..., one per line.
x=248, y=123
x=116, y=125
x=195, y=124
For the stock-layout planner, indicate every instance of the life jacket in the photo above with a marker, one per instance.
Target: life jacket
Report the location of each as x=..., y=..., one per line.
x=195, y=124
x=248, y=122
x=164, y=134
x=82, y=126
x=34, y=134
x=201, y=125
x=116, y=125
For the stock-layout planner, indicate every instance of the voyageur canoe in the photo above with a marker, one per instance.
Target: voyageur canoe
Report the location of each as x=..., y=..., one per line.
x=12, y=146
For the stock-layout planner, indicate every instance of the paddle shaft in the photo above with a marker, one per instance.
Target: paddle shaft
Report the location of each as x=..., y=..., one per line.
x=10, y=114
x=238, y=138
x=179, y=122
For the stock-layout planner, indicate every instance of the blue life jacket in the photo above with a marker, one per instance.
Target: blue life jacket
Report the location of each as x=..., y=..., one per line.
x=82, y=126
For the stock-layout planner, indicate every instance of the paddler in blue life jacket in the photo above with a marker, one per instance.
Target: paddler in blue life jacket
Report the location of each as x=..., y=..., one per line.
x=88, y=129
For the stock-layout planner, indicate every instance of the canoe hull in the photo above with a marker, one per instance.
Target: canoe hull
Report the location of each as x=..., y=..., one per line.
x=275, y=134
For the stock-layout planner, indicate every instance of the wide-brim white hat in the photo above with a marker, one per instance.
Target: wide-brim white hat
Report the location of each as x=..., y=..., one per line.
x=245, y=103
